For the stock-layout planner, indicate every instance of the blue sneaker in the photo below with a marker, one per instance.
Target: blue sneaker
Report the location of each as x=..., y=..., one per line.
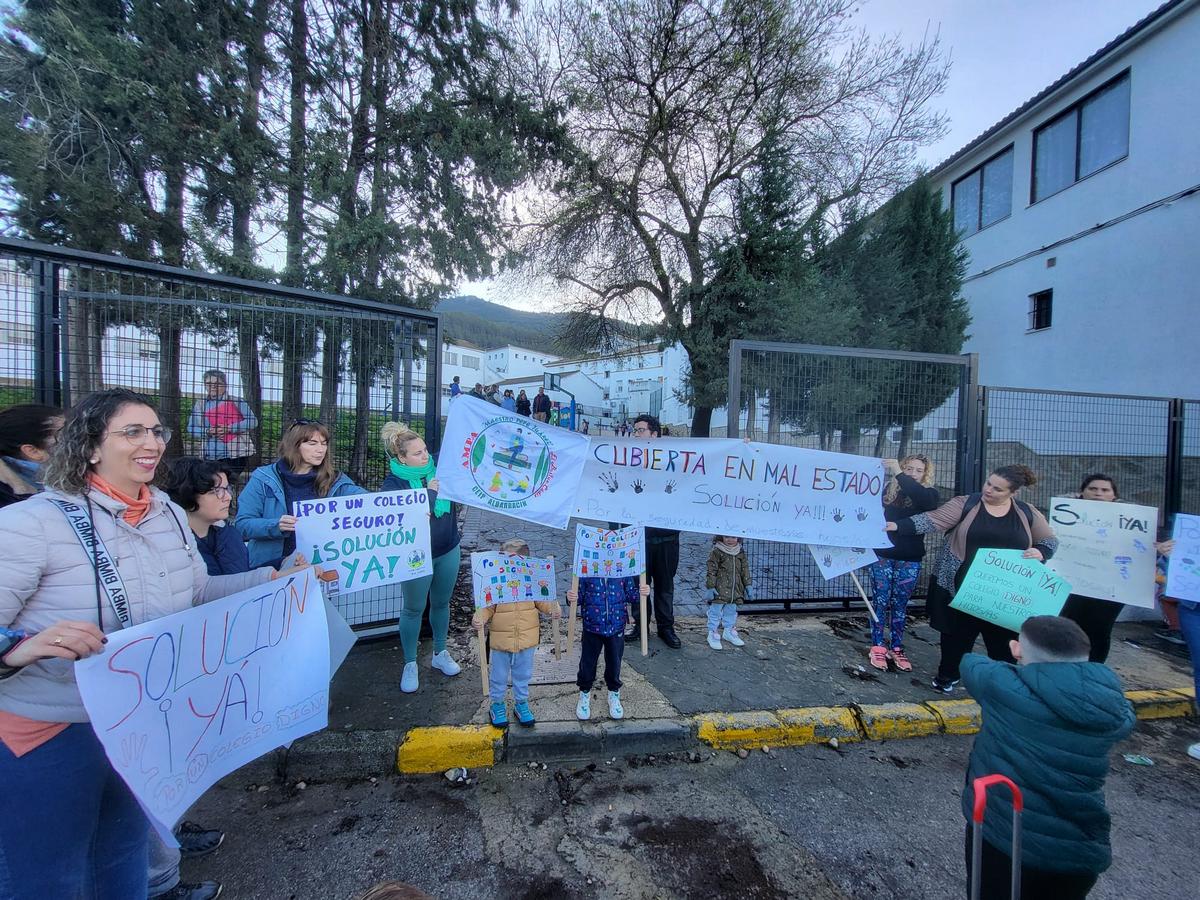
x=523, y=712
x=499, y=714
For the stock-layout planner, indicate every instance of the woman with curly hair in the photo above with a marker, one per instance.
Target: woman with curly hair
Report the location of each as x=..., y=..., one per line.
x=69, y=826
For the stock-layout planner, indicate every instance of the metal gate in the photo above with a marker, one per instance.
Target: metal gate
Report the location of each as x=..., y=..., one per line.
x=851, y=400
x=73, y=322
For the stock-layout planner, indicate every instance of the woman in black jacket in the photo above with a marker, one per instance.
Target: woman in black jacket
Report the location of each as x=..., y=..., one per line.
x=523, y=407
x=895, y=575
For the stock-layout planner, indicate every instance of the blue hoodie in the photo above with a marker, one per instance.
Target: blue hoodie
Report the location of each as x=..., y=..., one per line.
x=1050, y=728
x=261, y=503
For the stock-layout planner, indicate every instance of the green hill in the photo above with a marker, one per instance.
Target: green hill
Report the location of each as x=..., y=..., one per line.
x=490, y=325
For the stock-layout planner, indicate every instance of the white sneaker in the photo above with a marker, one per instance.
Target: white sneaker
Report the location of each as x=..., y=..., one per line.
x=731, y=635
x=583, y=709
x=408, y=679
x=714, y=640
x=444, y=664
x=1194, y=751
x=615, y=709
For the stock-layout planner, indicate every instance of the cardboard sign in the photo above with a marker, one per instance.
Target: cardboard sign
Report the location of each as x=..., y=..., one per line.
x=495, y=459
x=835, y=561
x=600, y=553
x=1183, y=566
x=181, y=701
x=1106, y=550
x=500, y=578
x=1005, y=588
x=368, y=539
x=717, y=486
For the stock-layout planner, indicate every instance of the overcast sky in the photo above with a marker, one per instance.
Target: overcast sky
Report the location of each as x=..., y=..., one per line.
x=1002, y=53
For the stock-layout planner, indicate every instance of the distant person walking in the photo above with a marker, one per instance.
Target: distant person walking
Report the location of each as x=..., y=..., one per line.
x=223, y=424
x=541, y=406
x=523, y=407
x=455, y=387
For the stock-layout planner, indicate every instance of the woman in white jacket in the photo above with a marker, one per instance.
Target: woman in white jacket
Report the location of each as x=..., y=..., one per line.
x=98, y=551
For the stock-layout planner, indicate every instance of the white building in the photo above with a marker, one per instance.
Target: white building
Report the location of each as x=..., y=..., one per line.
x=514, y=362
x=1081, y=214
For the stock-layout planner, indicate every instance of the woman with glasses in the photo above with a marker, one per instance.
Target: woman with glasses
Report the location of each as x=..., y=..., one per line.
x=304, y=471
x=69, y=826
x=202, y=490
x=27, y=434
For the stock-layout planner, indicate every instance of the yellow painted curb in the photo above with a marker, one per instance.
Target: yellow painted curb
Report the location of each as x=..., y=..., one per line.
x=891, y=721
x=817, y=724
x=448, y=746
x=957, y=716
x=728, y=731
x=1160, y=704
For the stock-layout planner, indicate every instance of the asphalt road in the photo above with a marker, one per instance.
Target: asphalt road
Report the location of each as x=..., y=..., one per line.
x=876, y=820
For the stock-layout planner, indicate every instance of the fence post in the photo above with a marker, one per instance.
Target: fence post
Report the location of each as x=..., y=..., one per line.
x=47, y=322
x=972, y=420
x=1173, y=468
x=433, y=387
x=733, y=411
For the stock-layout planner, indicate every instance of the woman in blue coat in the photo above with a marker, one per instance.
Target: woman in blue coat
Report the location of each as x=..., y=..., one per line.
x=304, y=471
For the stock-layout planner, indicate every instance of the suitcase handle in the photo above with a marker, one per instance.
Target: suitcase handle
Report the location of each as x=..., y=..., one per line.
x=980, y=786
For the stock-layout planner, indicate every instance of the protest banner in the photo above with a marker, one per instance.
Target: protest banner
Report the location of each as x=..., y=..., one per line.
x=835, y=561
x=1183, y=566
x=1005, y=588
x=369, y=539
x=717, y=486
x=1106, y=550
x=495, y=459
x=600, y=553
x=181, y=701
x=500, y=578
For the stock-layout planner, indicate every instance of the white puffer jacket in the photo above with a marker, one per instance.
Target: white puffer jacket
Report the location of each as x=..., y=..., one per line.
x=46, y=576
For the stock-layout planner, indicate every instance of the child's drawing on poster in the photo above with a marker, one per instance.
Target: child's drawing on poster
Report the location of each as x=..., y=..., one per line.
x=600, y=553
x=500, y=578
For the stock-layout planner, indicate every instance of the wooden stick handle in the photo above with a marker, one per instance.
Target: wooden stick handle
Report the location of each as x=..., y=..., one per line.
x=642, y=620
x=557, y=640
x=571, y=612
x=483, y=661
x=863, y=594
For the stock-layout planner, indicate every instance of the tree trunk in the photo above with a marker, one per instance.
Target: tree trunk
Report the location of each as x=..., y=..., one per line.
x=170, y=322
x=250, y=367
x=906, y=431
x=751, y=414
x=360, y=354
x=774, y=417
x=850, y=439
x=331, y=370
x=294, y=349
x=880, y=440
x=702, y=421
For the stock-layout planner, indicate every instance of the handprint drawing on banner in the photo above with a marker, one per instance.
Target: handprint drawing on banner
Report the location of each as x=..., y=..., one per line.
x=670, y=488
x=638, y=487
x=609, y=480
x=837, y=515
x=862, y=514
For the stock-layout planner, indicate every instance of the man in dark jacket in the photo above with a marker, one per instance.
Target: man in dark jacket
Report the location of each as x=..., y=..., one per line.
x=1049, y=724
x=541, y=406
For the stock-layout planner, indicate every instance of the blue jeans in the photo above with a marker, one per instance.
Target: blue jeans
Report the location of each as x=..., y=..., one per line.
x=69, y=826
x=164, y=865
x=503, y=664
x=1189, y=624
x=721, y=614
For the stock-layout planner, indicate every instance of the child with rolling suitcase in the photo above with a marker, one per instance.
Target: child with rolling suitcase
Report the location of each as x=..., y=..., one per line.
x=1049, y=723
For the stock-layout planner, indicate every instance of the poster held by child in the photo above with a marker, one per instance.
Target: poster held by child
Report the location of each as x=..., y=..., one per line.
x=603, y=604
x=609, y=553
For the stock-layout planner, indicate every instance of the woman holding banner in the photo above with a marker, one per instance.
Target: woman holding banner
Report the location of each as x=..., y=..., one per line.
x=99, y=550
x=304, y=471
x=412, y=467
x=993, y=518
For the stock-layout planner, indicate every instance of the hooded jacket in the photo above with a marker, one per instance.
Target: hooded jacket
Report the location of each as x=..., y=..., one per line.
x=1049, y=727
x=728, y=574
x=514, y=626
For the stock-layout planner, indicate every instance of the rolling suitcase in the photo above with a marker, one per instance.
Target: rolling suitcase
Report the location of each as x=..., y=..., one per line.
x=980, y=786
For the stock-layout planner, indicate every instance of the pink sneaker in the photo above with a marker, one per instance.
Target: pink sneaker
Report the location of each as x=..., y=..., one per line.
x=878, y=657
x=897, y=656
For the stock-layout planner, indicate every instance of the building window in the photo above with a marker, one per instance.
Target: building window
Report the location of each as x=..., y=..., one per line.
x=947, y=434
x=1092, y=134
x=470, y=362
x=451, y=358
x=984, y=195
x=1041, y=306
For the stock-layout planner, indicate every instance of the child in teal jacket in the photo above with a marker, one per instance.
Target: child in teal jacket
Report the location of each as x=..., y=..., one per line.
x=1049, y=724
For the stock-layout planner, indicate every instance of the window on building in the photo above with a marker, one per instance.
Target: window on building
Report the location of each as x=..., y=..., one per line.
x=984, y=195
x=947, y=434
x=1041, y=307
x=1092, y=134
x=470, y=362
x=451, y=359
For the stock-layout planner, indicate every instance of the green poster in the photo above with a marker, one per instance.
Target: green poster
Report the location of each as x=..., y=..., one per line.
x=1005, y=588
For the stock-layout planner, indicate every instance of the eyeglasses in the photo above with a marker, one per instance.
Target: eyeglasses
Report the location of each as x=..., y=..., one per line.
x=223, y=490
x=299, y=422
x=641, y=429
x=135, y=433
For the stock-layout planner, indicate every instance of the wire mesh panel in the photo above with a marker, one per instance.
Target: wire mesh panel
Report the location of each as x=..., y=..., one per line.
x=202, y=346
x=1065, y=436
x=866, y=402
x=1189, y=469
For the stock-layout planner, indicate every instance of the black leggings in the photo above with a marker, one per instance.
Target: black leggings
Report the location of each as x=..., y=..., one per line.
x=1096, y=618
x=958, y=638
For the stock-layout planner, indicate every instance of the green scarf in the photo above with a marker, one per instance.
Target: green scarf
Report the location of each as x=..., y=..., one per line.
x=417, y=477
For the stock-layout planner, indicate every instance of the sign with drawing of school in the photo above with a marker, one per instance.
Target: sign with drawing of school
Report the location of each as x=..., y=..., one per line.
x=503, y=578
x=369, y=539
x=718, y=486
x=181, y=701
x=1004, y=588
x=495, y=459
x=1106, y=550
x=600, y=553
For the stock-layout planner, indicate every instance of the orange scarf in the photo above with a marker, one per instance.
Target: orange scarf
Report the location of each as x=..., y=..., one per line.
x=135, y=508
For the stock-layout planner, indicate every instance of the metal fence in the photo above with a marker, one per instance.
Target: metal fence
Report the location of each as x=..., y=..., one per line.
x=887, y=404
x=74, y=322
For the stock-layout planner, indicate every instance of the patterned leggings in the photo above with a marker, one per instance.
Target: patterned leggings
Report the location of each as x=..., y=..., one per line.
x=893, y=581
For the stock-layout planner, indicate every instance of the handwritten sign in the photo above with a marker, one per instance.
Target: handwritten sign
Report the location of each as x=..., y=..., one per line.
x=600, y=553
x=495, y=459
x=1004, y=588
x=181, y=701
x=835, y=561
x=1183, y=566
x=732, y=487
x=1105, y=550
x=499, y=578
x=368, y=539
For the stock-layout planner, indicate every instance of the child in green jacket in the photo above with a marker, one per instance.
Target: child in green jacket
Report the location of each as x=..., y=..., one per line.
x=728, y=584
x=1049, y=723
